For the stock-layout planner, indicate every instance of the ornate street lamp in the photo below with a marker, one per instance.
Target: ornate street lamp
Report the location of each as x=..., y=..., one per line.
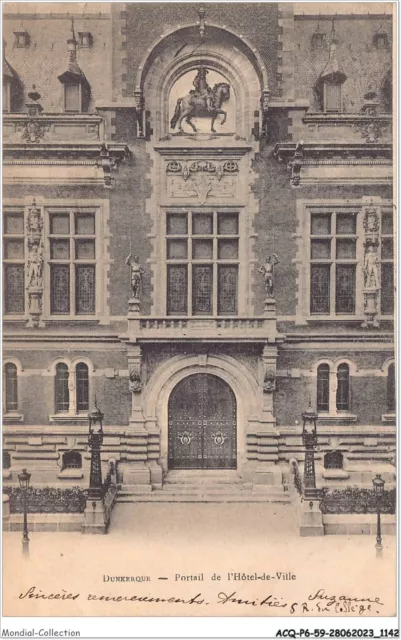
x=95, y=441
x=24, y=478
x=309, y=439
x=378, y=490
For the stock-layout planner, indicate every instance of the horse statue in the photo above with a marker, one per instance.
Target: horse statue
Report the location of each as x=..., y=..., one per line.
x=201, y=102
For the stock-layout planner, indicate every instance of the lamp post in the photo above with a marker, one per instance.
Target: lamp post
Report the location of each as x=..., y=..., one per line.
x=378, y=490
x=24, y=478
x=309, y=440
x=95, y=441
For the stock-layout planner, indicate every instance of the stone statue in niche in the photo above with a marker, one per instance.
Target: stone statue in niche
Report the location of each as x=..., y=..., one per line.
x=268, y=271
x=371, y=268
x=137, y=272
x=201, y=102
x=35, y=265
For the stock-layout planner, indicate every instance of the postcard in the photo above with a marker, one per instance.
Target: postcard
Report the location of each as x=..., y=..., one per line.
x=199, y=363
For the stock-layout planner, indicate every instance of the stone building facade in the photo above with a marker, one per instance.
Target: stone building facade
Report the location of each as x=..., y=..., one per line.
x=261, y=253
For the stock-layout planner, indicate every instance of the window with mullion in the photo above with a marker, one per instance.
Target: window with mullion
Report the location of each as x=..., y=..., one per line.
x=202, y=263
x=72, y=250
x=14, y=262
x=333, y=262
x=387, y=262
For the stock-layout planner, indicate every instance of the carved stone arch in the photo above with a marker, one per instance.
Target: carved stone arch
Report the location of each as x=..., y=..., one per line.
x=386, y=364
x=166, y=377
x=226, y=53
x=353, y=369
x=15, y=361
x=153, y=51
x=84, y=360
x=316, y=365
x=51, y=369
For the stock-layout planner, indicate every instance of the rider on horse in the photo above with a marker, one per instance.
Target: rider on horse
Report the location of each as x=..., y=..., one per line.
x=202, y=89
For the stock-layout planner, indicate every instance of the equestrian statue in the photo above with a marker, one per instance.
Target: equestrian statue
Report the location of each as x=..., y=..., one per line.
x=203, y=101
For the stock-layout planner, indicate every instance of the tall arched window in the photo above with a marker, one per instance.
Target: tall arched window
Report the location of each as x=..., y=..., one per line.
x=82, y=386
x=323, y=387
x=11, y=387
x=342, y=396
x=62, y=393
x=391, y=388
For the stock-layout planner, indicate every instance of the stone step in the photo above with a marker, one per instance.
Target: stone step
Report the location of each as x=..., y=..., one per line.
x=197, y=494
x=157, y=497
x=199, y=477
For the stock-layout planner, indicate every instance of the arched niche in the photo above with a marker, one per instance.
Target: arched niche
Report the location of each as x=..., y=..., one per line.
x=170, y=66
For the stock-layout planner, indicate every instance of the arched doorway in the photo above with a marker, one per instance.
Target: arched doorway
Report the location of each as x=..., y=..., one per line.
x=202, y=424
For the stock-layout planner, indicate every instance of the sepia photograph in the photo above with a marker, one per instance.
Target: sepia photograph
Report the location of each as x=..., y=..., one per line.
x=199, y=319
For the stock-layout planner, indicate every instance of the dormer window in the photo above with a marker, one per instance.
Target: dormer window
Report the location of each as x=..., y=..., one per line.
x=332, y=97
x=6, y=95
x=75, y=85
x=73, y=97
x=380, y=40
x=21, y=39
x=85, y=39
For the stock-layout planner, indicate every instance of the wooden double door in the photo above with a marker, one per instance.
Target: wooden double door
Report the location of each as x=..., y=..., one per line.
x=202, y=424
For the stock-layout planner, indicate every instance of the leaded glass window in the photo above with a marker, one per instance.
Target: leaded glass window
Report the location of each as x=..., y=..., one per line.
x=82, y=386
x=11, y=387
x=72, y=250
x=343, y=391
x=14, y=262
x=323, y=387
x=202, y=251
x=62, y=393
x=333, y=255
x=391, y=388
x=387, y=262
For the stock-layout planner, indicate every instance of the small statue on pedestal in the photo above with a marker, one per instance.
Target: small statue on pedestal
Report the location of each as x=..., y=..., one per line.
x=371, y=268
x=137, y=272
x=268, y=271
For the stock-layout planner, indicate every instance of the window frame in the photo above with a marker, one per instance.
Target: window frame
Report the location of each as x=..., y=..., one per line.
x=15, y=400
x=304, y=207
x=326, y=85
x=333, y=413
x=214, y=261
x=332, y=261
x=72, y=412
x=10, y=262
x=102, y=261
x=80, y=97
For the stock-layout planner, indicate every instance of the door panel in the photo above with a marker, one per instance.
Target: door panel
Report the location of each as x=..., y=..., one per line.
x=202, y=424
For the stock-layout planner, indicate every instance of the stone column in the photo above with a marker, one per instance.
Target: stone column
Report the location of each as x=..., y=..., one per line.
x=136, y=471
x=266, y=471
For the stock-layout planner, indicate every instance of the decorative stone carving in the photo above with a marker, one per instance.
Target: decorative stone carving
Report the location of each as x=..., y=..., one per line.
x=135, y=382
x=137, y=271
x=269, y=383
x=372, y=129
x=295, y=164
x=202, y=166
x=108, y=164
x=202, y=179
x=34, y=271
x=203, y=101
x=370, y=267
x=267, y=269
